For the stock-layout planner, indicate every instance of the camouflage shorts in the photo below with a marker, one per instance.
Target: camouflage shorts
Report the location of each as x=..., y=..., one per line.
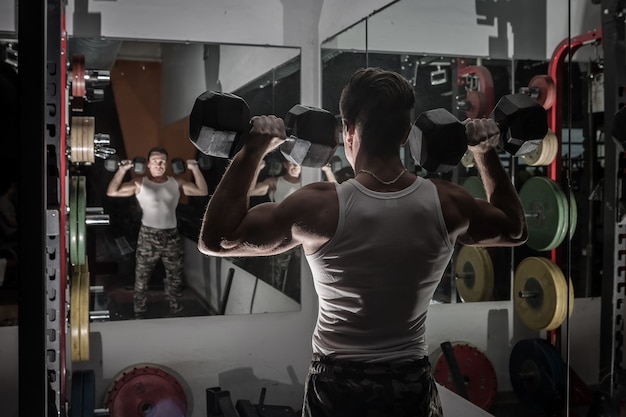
x=348, y=388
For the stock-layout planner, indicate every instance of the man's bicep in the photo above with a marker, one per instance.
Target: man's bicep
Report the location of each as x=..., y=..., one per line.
x=265, y=228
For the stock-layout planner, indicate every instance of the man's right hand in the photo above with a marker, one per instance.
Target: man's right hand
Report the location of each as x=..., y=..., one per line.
x=125, y=165
x=482, y=135
x=267, y=133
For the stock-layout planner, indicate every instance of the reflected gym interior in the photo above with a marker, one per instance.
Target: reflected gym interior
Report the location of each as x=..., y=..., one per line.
x=535, y=330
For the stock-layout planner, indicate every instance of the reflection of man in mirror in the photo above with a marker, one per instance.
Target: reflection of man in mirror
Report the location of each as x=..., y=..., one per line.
x=377, y=245
x=159, y=238
x=277, y=188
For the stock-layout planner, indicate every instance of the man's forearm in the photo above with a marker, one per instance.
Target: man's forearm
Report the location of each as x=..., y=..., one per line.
x=497, y=183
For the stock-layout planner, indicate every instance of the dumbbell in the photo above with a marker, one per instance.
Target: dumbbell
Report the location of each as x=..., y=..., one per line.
x=439, y=141
x=219, y=123
x=179, y=165
x=112, y=163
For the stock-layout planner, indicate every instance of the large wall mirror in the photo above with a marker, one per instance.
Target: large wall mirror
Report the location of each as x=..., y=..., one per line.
x=467, y=75
x=464, y=57
x=142, y=97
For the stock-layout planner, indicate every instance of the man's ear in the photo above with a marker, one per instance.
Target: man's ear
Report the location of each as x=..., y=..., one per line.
x=409, y=133
x=348, y=131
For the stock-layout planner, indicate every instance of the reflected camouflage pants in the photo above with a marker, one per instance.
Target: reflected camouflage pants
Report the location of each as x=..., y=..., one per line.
x=355, y=389
x=152, y=245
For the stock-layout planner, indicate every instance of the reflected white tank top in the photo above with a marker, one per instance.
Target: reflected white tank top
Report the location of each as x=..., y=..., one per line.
x=158, y=203
x=376, y=277
x=283, y=189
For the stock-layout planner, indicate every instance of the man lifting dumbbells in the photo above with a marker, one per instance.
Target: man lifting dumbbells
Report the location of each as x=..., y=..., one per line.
x=158, y=196
x=377, y=245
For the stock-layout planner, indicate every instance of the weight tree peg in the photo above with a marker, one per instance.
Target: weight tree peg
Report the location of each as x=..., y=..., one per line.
x=220, y=122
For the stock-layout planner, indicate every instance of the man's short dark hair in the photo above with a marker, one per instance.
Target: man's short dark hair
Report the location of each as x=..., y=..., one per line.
x=158, y=149
x=379, y=103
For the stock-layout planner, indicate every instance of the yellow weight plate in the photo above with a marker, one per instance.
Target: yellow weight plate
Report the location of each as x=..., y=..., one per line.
x=560, y=284
x=75, y=311
x=82, y=133
x=540, y=294
x=73, y=225
x=84, y=311
x=468, y=159
x=474, y=272
x=81, y=224
x=89, y=133
x=544, y=153
x=475, y=187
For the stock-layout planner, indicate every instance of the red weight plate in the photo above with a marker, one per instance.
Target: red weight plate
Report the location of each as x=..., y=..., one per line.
x=477, y=371
x=78, y=76
x=544, y=91
x=146, y=390
x=477, y=104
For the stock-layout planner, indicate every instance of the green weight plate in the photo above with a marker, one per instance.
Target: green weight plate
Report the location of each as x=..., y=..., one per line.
x=545, y=213
x=81, y=221
x=573, y=214
x=72, y=220
x=563, y=225
x=475, y=187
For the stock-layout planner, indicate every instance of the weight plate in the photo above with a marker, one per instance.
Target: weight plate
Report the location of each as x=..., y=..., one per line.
x=78, y=76
x=75, y=312
x=544, y=153
x=146, y=389
x=81, y=206
x=82, y=134
x=474, y=271
x=573, y=213
x=83, y=399
x=477, y=101
x=84, y=312
x=540, y=294
x=73, y=225
x=545, y=213
x=538, y=373
x=76, y=404
x=562, y=202
x=89, y=133
x=475, y=187
x=478, y=374
x=89, y=393
x=468, y=159
x=546, y=91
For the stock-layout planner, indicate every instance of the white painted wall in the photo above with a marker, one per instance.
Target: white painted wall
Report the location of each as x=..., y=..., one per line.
x=242, y=354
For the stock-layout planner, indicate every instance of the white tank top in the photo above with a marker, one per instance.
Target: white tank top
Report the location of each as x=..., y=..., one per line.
x=376, y=277
x=158, y=203
x=283, y=189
